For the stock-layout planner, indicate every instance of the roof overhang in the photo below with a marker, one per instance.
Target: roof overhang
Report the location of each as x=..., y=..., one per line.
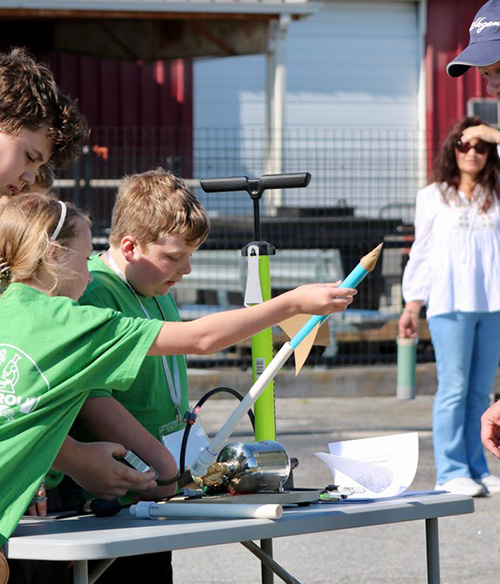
x=147, y=30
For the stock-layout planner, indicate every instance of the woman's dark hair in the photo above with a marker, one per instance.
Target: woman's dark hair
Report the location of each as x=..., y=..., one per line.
x=447, y=173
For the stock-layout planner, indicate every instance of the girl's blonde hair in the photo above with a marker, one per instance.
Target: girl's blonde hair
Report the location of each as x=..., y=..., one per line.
x=27, y=223
x=154, y=204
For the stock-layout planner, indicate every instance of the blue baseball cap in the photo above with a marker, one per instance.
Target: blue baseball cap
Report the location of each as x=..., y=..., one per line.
x=484, y=44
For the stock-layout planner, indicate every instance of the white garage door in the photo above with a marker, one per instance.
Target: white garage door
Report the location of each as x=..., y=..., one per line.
x=355, y=64
x=360, y=57
x=352, y=69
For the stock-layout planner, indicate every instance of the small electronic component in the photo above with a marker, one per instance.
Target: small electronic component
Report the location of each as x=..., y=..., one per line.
x=334, y=493
x=135, y=461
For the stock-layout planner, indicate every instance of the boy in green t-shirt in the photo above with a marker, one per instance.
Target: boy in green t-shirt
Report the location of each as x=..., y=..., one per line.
x=157, y=223
x=39, y=124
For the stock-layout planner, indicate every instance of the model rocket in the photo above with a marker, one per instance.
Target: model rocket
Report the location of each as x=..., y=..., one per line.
x=209, y=454
x=306, y=331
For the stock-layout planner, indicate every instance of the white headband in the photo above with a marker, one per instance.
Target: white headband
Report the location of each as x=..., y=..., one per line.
x=62, y=218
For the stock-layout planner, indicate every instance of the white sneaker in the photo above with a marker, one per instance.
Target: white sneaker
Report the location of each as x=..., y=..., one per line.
x=491, y=483
x=464, y=486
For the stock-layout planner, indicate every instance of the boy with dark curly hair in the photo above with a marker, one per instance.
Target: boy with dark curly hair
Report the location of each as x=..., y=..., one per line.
x=38, y=123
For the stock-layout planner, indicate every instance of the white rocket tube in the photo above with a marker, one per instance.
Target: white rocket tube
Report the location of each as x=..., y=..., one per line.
x=150, y=510
x=208, y=455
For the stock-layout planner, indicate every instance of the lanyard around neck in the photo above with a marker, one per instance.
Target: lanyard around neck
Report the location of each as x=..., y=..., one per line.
x=174, y=385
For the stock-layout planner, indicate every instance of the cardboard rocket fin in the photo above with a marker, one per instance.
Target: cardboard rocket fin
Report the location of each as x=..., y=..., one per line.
x=318, y=336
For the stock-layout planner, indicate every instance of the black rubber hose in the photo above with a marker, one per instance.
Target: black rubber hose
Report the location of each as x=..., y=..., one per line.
x=201, y=401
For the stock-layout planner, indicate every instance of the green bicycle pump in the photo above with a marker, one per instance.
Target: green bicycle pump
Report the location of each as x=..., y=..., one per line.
x=258, y=288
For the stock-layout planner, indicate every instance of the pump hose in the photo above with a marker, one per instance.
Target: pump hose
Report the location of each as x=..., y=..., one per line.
x=201, y=401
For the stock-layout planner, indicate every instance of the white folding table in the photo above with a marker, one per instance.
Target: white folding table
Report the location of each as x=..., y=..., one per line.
x=84, y=538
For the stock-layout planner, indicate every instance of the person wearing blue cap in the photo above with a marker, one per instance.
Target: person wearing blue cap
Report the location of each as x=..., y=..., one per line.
x=483, y=52
x=484, y=45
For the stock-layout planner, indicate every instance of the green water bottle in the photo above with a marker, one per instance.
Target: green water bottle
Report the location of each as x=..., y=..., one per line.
x=406, y=368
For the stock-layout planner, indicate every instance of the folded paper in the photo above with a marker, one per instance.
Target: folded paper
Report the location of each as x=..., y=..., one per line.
x=373, y=468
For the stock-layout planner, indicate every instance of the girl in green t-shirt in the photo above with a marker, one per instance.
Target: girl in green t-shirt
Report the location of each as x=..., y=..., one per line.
x=53, y=351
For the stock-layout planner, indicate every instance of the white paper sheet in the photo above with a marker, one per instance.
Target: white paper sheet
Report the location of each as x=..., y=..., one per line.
x=383, y=466
x=196, y=443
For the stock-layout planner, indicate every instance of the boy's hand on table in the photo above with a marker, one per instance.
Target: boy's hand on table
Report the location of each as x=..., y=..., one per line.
x=108, y=420
x=94, y=467
x=39, y=502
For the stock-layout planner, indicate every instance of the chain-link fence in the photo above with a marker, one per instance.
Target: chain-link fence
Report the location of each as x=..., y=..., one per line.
x=361, y=193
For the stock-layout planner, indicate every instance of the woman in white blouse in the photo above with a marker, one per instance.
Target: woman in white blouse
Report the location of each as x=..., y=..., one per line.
x=454, y=270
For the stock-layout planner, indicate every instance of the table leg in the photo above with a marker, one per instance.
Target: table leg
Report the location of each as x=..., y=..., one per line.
x=99, y=570
x=269, y=562
x=432, y=543
x=266, y=546
x=81, y=572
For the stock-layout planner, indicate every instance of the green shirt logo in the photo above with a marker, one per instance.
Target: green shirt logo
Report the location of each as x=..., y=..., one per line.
x=20, y=382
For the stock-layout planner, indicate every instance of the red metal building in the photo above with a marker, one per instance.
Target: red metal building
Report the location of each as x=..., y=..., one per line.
x=132, y=105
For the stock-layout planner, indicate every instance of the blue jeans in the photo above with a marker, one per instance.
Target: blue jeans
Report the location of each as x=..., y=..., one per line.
x=467, y=349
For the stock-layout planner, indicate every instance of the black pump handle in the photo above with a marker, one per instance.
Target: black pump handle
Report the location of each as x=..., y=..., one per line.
x=285, y=181
x=222, y=185
x=255, y=187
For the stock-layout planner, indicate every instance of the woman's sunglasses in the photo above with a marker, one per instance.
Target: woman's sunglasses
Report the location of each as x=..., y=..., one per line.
x=464, y=147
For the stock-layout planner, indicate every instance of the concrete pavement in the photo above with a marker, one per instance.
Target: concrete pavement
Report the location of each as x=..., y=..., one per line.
x=351, y=381
x=393, y=554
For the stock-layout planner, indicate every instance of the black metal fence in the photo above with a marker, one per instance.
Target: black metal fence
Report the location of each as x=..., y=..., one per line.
x=362, y=192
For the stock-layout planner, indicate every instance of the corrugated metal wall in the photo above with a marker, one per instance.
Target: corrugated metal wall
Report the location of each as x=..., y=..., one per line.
x=140, y=115
x=125, y=93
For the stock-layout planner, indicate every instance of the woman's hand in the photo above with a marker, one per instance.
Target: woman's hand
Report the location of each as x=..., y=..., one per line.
x=482, y=132
x=408, y=321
